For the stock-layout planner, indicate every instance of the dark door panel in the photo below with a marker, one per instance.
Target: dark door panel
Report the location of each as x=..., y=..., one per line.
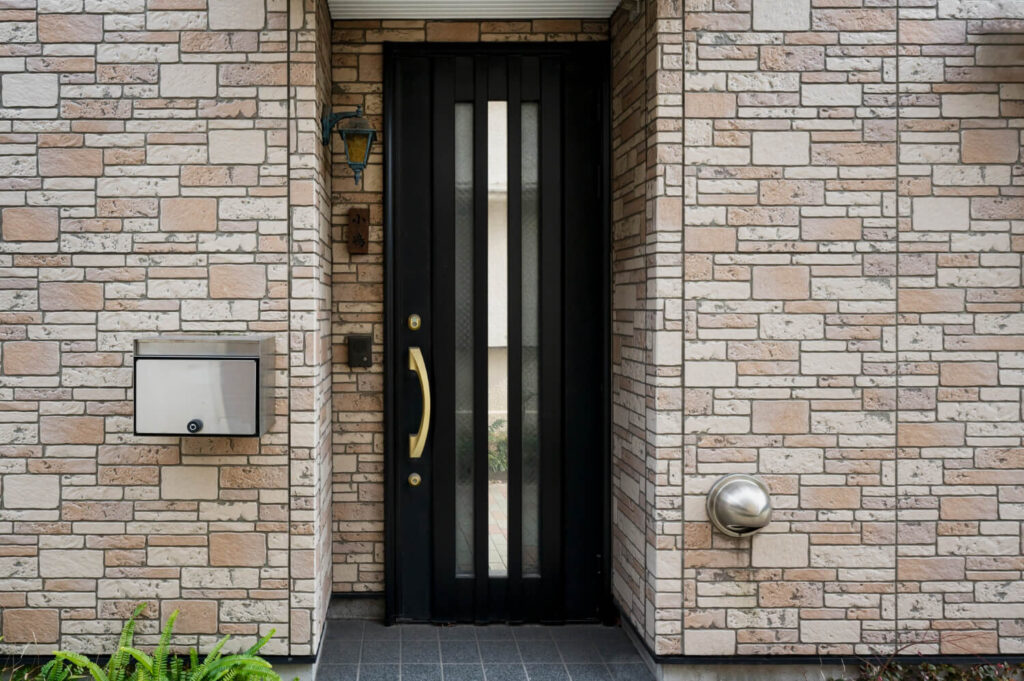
x=497, y=238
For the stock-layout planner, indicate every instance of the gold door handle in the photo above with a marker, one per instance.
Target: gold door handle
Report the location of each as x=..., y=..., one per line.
x=419, y=440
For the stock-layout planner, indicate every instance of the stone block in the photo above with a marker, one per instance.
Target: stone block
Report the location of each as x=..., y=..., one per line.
x=990, y=146
x=709, y=641
x=781, y=282
x=970, y=106
x=188, y=80
x=29, y=89
x=194, y=617
x=59, y=295
x=779, y=550
x=30, y=625
x=782, y=15
x=31, y=491
x=238, y=281
x=70, y=28
x=941, y=213
x=831, y=94
x=830, y=631
x=71, y=430
x=188, y=482
x=830, y=229
x=830, y=497
x=238, y=549
x=31, y=358
x=237, y=146
x=782, y=148
x=780, y=416
x=71, y=162
x=237, y=14
x=29, y=224
x=968, y=508
x=70, y=563
x=710, y=105
x=188, y=214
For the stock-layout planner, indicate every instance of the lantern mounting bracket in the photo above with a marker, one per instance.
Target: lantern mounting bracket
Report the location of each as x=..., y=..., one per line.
x=357, y=134
x=331, y=119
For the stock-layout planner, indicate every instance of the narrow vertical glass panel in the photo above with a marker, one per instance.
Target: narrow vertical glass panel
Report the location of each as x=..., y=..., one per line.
x=464, y=339
x=531, y=337
x=497, y=338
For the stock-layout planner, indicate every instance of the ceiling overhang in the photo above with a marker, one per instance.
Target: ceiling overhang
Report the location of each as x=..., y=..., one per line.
x=471, y=9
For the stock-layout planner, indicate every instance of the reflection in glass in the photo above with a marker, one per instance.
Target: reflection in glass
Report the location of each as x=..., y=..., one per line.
x=497, y=337
x=464, y=339
x=531, y=339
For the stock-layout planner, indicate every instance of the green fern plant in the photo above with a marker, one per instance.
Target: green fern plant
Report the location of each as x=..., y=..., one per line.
x=129, y=663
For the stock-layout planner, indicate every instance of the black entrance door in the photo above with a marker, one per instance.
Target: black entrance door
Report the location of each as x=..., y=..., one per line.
x=497, y=337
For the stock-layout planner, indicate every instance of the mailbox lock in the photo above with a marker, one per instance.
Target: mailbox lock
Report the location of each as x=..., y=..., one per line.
x=194, y=426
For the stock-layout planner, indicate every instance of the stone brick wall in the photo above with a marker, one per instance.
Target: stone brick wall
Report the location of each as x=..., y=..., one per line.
x=358, y=428
x=852, y=285
x=160, y=172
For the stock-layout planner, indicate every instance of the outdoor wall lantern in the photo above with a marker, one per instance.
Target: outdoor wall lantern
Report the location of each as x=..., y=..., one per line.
x=739, y=505
x=357, y=134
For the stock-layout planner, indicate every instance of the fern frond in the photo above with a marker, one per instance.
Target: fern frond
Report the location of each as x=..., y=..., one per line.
x=259, y=644
x=160, y=654
x=145, y=662
x=82, y=662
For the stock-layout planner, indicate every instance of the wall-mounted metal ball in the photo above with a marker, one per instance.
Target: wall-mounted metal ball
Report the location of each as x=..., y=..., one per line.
x=739, y=505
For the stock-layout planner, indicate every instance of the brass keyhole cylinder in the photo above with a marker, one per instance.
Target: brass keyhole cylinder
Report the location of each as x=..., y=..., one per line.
x=415, y=479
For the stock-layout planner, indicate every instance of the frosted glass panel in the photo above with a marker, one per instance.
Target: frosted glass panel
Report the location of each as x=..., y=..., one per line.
x=497, y=338
x=531, y=339
x=464, y=445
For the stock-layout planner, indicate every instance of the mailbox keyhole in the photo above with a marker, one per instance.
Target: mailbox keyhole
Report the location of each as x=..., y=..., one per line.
x=194, y=426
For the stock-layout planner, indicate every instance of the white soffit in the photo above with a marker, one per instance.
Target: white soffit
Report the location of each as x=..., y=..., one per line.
x=471, y=9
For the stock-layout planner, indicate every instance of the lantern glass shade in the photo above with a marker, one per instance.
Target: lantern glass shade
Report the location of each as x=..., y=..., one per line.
x=358, y=136
x=357, y=144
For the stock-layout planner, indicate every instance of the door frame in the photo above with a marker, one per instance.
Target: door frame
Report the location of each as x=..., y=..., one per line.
x=391, y=363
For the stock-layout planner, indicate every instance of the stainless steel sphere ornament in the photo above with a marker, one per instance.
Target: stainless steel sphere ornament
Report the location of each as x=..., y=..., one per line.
x=739, y=505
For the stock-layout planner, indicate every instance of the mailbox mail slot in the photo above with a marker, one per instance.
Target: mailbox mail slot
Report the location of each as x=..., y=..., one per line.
x=203, y=386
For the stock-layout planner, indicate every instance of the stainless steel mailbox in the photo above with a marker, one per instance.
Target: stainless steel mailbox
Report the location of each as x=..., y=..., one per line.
x=204, y=385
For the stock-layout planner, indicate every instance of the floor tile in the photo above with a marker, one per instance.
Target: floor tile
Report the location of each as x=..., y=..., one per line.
x=420, y=651
x=539, y=651
x=457, y=632
x=619, y=651
x=421, y=672
x=630, y=672
x=504, y=672
x=459, y=651
x=419, y=632
x=378, y=672
x=494, y=632
x=532, y=633
x=463, y=672
x=380, y=631
x=588, y=672
x=499, y=651
x=338, y=651
x=376, y=652
x=337, y=672
x=345, y=629
x=579, y=651
x=546, y=672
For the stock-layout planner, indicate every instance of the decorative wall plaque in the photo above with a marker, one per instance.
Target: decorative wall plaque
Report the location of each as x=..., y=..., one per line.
x=358, y=234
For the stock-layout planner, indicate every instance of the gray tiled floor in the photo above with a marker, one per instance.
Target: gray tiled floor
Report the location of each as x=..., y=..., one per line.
x=355, y=650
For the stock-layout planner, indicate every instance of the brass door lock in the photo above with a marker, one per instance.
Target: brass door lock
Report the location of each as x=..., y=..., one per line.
x=415, y=322
x=415, y=479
